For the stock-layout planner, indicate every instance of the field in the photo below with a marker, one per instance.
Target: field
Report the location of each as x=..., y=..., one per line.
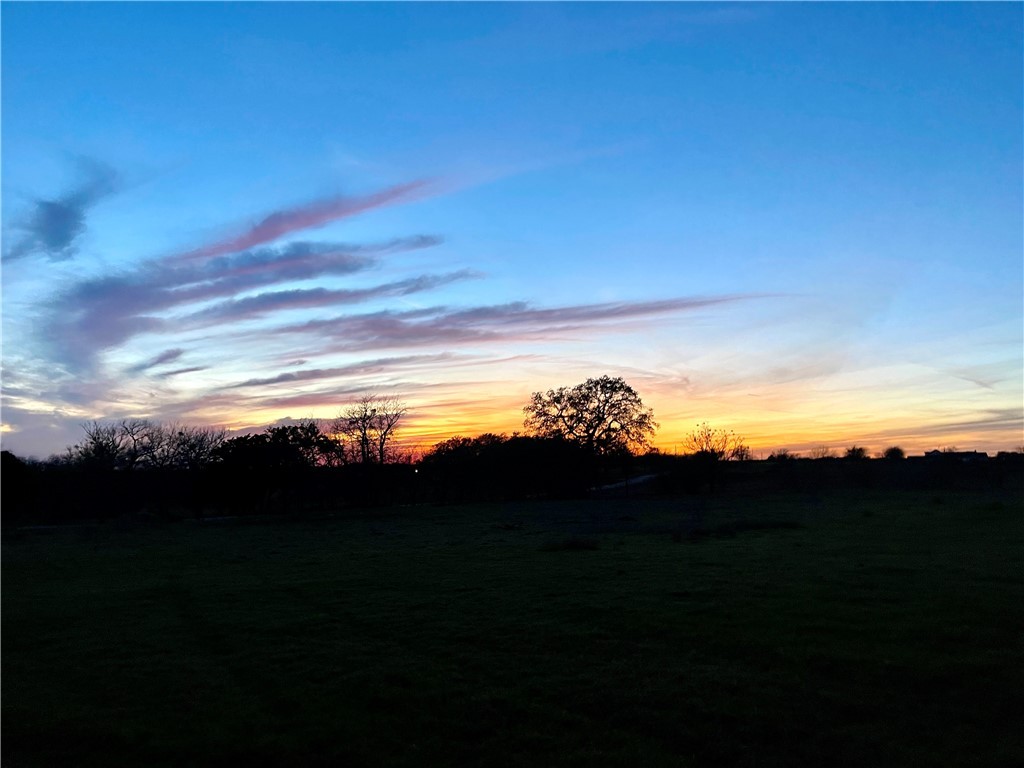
x=853, y=629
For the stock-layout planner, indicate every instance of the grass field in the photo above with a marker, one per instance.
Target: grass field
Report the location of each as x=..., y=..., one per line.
x=854, y=629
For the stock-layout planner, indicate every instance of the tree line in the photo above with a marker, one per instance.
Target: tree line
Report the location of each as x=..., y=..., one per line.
x=602, y=416
x=363, y=433
x=589, y=438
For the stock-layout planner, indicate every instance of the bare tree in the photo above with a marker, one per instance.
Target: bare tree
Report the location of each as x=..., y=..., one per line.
x=142, y=440
x=104, y=446
x=140, y=444
x=369, y=426
x=604, y=415
x=193, y=447
x=718, y=444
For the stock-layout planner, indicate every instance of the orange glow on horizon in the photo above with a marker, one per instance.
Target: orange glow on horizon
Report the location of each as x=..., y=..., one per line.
x=427, y=424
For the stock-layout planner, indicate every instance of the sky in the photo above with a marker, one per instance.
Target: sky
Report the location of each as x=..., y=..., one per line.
x=800, y=222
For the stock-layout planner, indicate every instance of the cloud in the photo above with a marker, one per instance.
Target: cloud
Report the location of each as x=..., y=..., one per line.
x=179, y=371
x=168, y=356
x=362, y=368
x=330, y=389
x=97, y=314
x=996, y=420
x=503, y=322
x=80, y=393
x=53, y=226
x=207, y=299
x=308, y=400
x=311, y=215
x=220, y=407
x=309, y=298
x=231, y=281
x=39, y=434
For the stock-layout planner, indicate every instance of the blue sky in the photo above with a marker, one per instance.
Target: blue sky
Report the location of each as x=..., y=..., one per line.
x=802, y=222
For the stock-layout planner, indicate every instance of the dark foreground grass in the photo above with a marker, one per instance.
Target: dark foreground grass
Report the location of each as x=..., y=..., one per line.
x=853, y=630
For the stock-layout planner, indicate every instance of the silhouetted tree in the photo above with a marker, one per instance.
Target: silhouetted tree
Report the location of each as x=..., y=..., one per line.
x=143, y=444
x=856, y=452
x=287, y=447
x=19, y=489
x=452, y=447
x=105, y=447
x=244, y=452
x=188, y=447
x=304, y=443
x=603, y=415
x=496, y=466
x=369, y=426
x=141, y=441
x=717, y=444
x=894, y=452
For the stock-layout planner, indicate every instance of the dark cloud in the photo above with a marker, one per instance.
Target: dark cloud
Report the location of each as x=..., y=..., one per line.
x=179, y=371
x=52, y=227
x=167, y=356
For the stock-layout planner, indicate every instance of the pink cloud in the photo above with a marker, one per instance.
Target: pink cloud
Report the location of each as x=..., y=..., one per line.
x=315, y=214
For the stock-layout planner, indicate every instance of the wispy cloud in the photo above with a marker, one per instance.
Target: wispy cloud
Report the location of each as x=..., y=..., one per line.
x=168, y=356
x=503, y=322
x=363, y=368
x=316, y=214
x=180, y=371
x=234, y=280
x=1003, y=420
x=311, y=298
x=102, y=313
x=52, y=226
x=207, y=299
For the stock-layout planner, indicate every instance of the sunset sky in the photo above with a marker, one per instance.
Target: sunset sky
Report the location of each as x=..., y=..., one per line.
x=801, y=222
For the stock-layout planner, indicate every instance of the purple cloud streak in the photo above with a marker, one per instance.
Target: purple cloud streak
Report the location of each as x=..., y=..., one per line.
x=308, y=298
x=505, y=322
x=168, y=356
x=312, y=215
x=231, y=280
x=102, y=313
x=363, y=368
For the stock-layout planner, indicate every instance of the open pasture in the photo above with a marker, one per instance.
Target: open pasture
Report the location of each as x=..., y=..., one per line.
x=851, y=629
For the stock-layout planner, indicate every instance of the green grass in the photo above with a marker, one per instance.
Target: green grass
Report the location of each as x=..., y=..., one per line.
x=836, y=630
